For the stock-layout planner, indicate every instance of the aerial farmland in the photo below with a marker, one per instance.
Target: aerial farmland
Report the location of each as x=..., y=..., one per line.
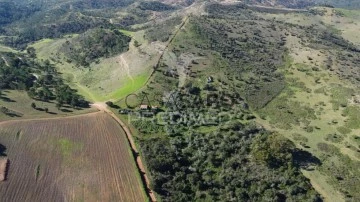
x=83, y=158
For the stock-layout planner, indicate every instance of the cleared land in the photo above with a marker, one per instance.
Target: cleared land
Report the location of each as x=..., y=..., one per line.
x=110, y=78
x=83, y=158
x=3, y=165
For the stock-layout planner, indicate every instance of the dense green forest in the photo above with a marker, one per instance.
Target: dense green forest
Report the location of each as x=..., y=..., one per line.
x=155, y=6
x=27, y=22
x=10, y=12
x=242, y=163
x=94, y=44
x=237, y=161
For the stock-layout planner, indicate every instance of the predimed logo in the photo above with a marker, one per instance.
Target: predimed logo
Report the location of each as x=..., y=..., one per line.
x=172, y=108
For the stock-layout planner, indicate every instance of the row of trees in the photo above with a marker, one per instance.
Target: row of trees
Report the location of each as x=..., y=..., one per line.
x=39, y=79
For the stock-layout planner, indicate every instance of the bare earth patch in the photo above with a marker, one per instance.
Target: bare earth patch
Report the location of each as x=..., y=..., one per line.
x=83, y=158
x=3, y=167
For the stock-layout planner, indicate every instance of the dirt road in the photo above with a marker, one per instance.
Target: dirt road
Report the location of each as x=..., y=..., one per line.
x=103, y=107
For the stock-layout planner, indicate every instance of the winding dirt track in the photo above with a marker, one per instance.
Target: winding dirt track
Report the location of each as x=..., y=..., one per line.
x=139, y=163
x=122, y=60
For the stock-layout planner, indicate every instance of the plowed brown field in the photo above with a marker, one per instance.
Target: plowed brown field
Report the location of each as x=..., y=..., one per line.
x=83, y=158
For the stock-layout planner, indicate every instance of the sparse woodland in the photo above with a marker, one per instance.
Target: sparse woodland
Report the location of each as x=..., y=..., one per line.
x=40, y=79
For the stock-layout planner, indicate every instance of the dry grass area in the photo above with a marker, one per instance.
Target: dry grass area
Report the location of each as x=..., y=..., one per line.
x=82, y=158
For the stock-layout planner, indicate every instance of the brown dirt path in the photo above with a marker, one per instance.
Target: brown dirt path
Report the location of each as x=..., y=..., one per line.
x=3, y=165
x=139, y=163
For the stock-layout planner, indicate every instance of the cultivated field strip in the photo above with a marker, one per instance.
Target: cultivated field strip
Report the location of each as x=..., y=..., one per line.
x=84, y=158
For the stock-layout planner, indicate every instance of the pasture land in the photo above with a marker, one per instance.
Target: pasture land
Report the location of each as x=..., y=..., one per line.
x=82, y=158
x=340, y=20
x=19, y=103
x=108, y=78
x=319, y=108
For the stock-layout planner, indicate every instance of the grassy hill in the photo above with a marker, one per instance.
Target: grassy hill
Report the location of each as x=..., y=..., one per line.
x=291, y=73
x=93, y=45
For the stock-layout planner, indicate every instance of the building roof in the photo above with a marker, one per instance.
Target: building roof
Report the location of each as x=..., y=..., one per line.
x=143, y=106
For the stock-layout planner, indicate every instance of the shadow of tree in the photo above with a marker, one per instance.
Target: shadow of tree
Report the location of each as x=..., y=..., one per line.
x=2, y=150
x=6, y=99
x=304, y=159
x=66, y=110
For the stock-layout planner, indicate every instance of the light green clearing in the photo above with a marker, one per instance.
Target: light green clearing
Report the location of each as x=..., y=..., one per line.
x=128, y=88
x=101, y=82
x=349, y=13
x=67, y=147
x=126, y=32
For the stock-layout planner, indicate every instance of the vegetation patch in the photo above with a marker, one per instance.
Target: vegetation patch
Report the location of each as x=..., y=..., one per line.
x=286, y=113
x=94, y=44
x=209, y=160
x=341, y=170
x=155, y=6
x=205, y=114
x=39, y=79
x=344, y=130
x=130, y=86
x=162, y=31
x=68, y=147
x=340, y=96
x=353, y=117
x=334, y=138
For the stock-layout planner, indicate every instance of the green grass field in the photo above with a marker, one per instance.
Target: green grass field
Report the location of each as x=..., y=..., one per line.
x=355, y=14
x=130, y=86
x=126, y=32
